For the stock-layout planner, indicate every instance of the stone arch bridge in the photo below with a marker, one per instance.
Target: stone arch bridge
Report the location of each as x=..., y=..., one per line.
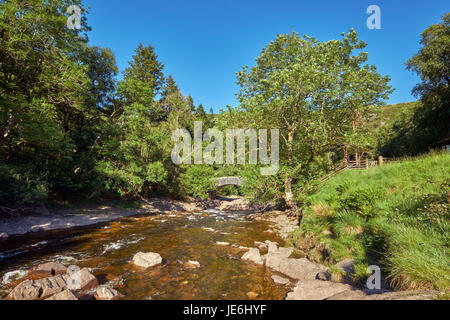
x=223, y=182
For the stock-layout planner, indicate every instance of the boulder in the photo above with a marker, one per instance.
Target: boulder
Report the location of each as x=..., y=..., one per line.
x=347, y=265
x=3, y=236
x=273, y=260
x=192, y=264
x=63, y=295
x=253, y=255
x=384, y=295
x=316, y=290
x=261, y=245
x=106, y=293
x=81, y=280
x=273, y=248
x=39, y=289
x=301, y=269
x=147, y=260
x=285, y=252
x=48, y=269
x=280, y=280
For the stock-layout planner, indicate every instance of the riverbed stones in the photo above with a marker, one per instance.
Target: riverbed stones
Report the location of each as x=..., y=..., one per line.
x=147, y=260
x=48, y=269
x=107, y=293
x=191, y=264
x=253, y=255
x=81, y=280
x=63, y=295
x=39, y=289
x=280, y=280
x=252, y=295
x=316, y=290
x=300, y=269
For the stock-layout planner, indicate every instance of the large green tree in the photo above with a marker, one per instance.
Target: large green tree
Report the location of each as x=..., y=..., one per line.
x=309, y=90
x=432, y=64
x=132, y=153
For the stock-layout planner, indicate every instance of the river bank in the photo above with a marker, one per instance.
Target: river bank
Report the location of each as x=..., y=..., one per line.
x=204, y=254
x=42, y=219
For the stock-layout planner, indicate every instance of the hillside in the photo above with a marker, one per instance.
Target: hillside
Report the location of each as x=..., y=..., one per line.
x=395, y=216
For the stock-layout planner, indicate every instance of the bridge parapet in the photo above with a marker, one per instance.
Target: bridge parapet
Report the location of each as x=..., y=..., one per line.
x=228, y=181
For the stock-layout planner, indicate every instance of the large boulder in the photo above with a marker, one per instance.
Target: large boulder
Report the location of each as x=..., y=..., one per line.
x=253, y=255
x=316, y=290
x=39, y=289
x=274, y=260
x=3, y=236
x=48, y=269
x=301, y=269
x=106, y=293
x=63, y=295
x=81, y=280
x=147, y=260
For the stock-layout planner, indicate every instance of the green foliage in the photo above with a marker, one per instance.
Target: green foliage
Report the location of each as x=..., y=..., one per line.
x=197, y=180
x=18, y=186
x=396, y=216
x=360, y=200
x=431, y=63
x=311, y=91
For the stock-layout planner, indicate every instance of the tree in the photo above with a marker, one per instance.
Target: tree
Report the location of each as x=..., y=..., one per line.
x=51, y=87
x=432, y=64
x=132, y=154
x=37, y=67
x=309, y=90
x=191, y=103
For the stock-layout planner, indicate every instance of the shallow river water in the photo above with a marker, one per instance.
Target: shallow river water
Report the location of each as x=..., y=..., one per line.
x=177, y=237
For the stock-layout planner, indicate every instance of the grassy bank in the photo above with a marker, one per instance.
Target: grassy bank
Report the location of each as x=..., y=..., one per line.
x=396, y=216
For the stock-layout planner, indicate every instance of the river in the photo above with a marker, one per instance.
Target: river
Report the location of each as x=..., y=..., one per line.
x=178, y=237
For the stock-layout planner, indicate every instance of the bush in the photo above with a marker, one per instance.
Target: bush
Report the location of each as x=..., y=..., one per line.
x=360, y=201
x=197, y=180
x=18, y=186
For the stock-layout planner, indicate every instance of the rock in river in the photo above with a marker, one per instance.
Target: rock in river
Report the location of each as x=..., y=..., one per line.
x=147, y=260
x=316, y=290
x=64, y=295
x=81, y=280
x=106, y=293
x=280, y=280
x=48, y=269
x=253, y=255
x=39, y=289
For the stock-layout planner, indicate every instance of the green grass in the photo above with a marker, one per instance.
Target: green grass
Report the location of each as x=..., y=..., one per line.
x=396, y=216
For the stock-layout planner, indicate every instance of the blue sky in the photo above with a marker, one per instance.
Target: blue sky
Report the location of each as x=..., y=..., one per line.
x=204, y=43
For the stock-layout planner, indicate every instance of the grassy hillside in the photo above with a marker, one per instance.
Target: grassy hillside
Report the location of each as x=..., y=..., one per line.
x=396, y=216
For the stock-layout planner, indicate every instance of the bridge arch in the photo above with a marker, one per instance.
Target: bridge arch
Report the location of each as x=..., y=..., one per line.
x=223, y=182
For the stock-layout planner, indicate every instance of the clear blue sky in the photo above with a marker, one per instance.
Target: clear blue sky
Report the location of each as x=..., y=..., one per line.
x=204, y=43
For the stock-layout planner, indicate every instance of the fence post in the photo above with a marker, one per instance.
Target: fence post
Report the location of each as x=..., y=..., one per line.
x=367, y=163
x=380, y=160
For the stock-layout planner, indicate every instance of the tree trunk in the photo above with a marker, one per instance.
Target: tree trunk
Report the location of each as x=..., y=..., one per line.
x=288, y=195
x=7, y=130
